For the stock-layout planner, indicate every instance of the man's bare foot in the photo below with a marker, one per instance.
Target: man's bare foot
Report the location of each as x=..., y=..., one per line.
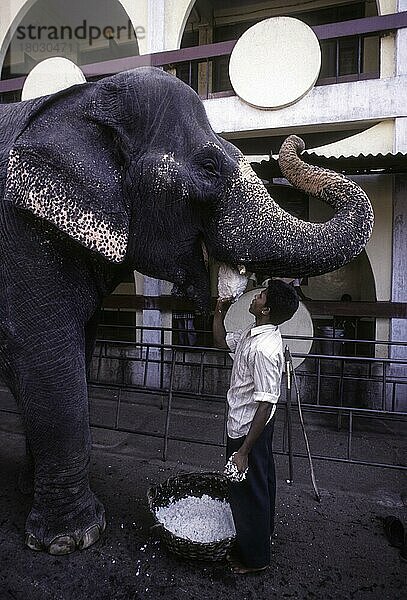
x=238, y=568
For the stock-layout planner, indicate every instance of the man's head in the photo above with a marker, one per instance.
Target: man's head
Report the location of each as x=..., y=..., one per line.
x=275, y=304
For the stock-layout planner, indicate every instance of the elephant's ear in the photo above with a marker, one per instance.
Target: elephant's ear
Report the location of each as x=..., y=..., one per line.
x=64, y=168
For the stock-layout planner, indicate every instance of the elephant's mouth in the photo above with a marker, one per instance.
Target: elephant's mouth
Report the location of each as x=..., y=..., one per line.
x=190, y=274
x=194, y=278
x=231, y=280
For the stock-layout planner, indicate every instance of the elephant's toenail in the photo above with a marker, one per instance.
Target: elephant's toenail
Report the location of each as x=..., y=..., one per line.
x=91, y=535
x=32, y=542
x=64, y=544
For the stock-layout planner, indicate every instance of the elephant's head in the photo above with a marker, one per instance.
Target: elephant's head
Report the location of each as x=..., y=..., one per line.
x=130, y=168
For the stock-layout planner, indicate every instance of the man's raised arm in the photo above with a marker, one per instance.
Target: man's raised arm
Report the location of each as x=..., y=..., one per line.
x=218, y=328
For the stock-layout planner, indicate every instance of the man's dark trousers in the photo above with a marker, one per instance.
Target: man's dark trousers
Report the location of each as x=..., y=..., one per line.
x=253, y=500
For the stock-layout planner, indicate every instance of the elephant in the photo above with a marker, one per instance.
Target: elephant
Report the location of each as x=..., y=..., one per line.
x=104, y=178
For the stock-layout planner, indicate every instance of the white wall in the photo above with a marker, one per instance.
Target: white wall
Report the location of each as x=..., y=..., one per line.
x=358, y=102
x=378, y=250
x=379, y=188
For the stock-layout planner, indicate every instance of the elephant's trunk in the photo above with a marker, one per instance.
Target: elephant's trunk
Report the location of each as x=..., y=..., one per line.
x=286, y=246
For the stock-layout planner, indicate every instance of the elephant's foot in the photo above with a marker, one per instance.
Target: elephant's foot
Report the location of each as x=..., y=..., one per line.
x=76, y=531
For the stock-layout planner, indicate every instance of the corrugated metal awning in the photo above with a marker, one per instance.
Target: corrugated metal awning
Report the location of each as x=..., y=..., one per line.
x=351, y=165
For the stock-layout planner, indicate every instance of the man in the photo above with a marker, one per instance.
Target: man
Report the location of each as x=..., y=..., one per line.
x=252, y=397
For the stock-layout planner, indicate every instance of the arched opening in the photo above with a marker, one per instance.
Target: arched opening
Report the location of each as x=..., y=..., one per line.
x=211, y=21
x=355, y=279
x=355, y=282
x=85, y=32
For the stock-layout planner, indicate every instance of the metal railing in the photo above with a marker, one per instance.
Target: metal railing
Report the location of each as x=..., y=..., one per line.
x=201, y=364
x=204, y=67
x=358, y=29
x=167, y=379
x=211, y=85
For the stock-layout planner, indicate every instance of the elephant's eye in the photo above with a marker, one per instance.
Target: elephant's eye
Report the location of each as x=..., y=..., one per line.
x=211, y=166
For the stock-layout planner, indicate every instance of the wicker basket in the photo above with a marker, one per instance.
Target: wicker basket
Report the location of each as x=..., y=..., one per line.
x=181, y=486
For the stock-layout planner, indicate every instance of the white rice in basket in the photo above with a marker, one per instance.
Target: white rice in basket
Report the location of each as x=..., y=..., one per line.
x=202, y=520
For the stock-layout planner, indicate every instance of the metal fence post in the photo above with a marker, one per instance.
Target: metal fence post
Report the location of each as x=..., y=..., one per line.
x=169, y=405
x=288, y=365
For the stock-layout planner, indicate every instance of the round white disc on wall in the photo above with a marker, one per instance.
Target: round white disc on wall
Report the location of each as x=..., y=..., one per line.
x=275, y=62
x=50, y=76
x=238, y=317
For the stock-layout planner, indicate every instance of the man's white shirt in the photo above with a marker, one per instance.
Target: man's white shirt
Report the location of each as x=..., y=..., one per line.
x=256, y=374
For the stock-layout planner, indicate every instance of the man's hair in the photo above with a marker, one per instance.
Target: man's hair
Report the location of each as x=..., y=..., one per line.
x=282, y=300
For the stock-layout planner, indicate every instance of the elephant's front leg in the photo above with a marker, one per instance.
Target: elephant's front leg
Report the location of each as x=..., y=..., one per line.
x=65, y=514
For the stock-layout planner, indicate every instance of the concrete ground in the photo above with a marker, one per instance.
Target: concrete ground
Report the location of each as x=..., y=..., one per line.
x=335, y=549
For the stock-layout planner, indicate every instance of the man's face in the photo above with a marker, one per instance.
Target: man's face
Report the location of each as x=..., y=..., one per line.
x=258, y=303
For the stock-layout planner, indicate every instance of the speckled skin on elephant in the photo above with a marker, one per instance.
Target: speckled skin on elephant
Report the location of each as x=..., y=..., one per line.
x=96, y=181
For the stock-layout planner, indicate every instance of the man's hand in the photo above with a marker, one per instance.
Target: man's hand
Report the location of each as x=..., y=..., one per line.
x=219, y=333
x=241, y=460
